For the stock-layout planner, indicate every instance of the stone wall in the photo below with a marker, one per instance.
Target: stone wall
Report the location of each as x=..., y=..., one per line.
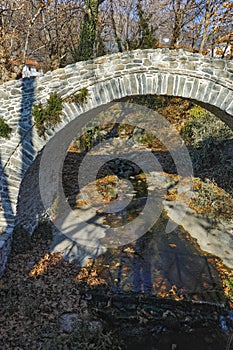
x=205, y=80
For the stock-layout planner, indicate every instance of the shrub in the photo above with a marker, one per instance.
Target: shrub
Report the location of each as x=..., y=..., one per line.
x=47, y=116
x=212, y=201
x=88, y=139
x=229, y=287
x=79, y=98
x=5, y=130
x=204, y=126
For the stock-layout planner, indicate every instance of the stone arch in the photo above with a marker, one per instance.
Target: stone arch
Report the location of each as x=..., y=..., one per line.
x=205, y=80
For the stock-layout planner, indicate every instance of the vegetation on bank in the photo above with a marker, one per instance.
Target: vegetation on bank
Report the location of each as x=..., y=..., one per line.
x=212, y=201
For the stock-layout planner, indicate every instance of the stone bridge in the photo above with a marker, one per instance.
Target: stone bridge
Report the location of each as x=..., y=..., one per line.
x=207, y=81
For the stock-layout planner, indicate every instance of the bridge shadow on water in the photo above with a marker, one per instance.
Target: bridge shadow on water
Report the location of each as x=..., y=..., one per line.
x=162, y=264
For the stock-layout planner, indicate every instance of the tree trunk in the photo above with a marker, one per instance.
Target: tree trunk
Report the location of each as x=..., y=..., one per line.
x=206, y=25
x=117, y=38
x=178, y=22
x=175, y=34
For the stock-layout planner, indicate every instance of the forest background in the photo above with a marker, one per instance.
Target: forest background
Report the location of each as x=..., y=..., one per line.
x=60, y=32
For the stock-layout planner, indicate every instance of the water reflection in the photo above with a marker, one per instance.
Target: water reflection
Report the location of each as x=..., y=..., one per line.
x=166, y=265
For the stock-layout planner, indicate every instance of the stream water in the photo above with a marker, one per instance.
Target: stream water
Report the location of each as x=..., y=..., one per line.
x=164, y=264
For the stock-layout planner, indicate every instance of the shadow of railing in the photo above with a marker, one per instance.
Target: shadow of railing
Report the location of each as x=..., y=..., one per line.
x=21, y=158
x=26, y=124
x=5, y=199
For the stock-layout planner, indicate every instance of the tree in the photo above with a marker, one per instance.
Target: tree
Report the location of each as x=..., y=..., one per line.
x=56, y=33
x=9, y=36
x=222, y=25
x=146, y=32
x=114, y=27
x=120, y=27
x=87, y=40
x=59, y=32
x=37, y=30
x=183, y=12
x=213, y=22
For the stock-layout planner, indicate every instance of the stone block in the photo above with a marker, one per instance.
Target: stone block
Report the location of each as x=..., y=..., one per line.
x=147, y=62
x=181, y=86
x=141, y=79
x=219, y=64
x=132, y=65
x=164, y=84
x=207, y=70
x=149, y=85
x=109, y=91
x=227, y=101
x=188, y=88
x=221, y=97
x=133, y=84
x=229, y=110
x=114, y=88
x=15, y=92
x=170, y=85
x=100, y=60
x=201, y=90
x=207, y=95
x=4, y=94
x=137, y=60
x=159, y=84
x=119, y=67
